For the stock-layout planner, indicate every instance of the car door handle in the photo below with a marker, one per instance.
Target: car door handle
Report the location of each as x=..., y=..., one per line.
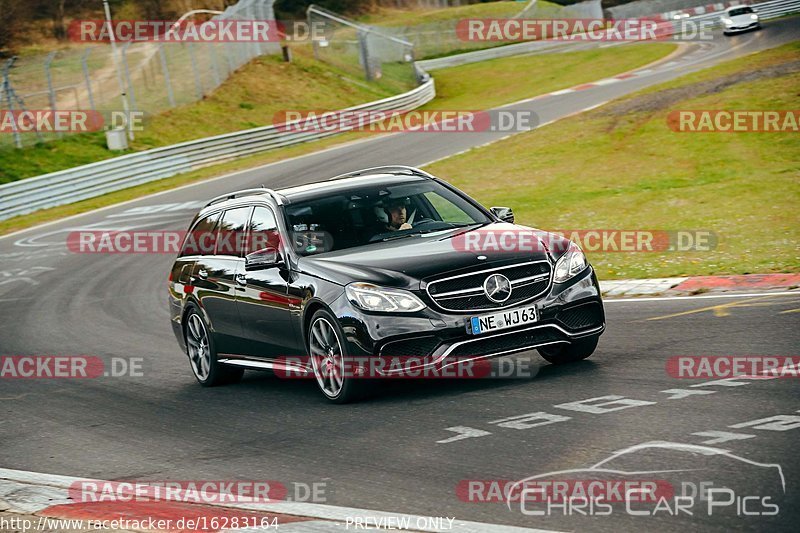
x=241, y=279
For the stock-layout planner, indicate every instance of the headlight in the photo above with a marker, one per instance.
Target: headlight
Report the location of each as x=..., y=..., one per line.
x=727, y=21
x=373, y=298
x=754, y=16
x=571, y=263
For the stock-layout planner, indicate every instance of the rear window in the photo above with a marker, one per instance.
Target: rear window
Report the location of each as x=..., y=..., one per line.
x=231, y=232
x=203, y=231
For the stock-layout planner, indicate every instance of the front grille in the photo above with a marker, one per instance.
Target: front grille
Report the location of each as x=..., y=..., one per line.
x=582, y=317
x=465, y=293
x=415, y=347
x=509, y=342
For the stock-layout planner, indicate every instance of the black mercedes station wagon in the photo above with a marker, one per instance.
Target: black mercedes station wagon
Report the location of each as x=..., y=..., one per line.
x=387, y=262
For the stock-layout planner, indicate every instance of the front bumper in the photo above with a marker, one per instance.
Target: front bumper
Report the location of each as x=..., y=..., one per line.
x=741, y=28
x=567, y=312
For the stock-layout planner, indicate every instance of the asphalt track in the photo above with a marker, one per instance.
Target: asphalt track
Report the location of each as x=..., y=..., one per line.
x=387, y=453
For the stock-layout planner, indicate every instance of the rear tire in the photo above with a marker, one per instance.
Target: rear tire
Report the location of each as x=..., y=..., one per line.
x=203, y=355
x=560, y=354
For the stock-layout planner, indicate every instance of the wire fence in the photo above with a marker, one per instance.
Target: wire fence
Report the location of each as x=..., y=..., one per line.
x=441, y=38
x=155, y=76
x=647, y=8
x=362, y=50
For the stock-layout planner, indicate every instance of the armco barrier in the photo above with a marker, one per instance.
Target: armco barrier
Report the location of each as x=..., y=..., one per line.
x=88, y=181
x=765, y=10
x=486, y=54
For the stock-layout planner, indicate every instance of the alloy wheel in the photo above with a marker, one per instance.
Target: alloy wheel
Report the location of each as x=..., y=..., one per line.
x=327, y=358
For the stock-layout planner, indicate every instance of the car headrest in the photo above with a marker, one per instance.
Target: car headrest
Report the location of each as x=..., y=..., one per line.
x=381, y=215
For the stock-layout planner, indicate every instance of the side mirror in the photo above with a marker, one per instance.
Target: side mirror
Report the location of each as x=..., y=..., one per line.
x=261, y=259
x=506, y=214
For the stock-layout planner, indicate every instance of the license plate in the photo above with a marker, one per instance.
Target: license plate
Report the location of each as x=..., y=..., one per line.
x=501, y=320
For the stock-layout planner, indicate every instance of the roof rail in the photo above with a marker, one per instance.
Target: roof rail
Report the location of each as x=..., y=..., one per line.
x=246, y=192
x=385, y=168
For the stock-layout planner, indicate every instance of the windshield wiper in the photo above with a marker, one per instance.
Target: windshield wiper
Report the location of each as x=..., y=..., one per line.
x=450, y=226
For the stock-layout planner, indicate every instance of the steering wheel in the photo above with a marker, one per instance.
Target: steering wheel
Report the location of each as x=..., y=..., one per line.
x=422, y=222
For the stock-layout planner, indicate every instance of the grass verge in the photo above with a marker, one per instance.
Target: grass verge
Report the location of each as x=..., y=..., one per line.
x=248, y=99
x=621, y=167
x=494, y=87
x=488, y=84
x=393, y=17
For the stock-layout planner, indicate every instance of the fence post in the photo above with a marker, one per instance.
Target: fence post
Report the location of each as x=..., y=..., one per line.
x=51, y=93
x=214, y=67
x=10, y=101
x=128, y=80
x=85, y=67
x=254, y=46
x=239, y=49
x=227, y=53
x=197, y=84
x=314, y=43
x=261, y=15
x=364, y=54
x=165, y=68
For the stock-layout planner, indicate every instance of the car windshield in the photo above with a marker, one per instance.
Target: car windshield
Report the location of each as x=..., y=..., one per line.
x=368, y=214
x=740, y=11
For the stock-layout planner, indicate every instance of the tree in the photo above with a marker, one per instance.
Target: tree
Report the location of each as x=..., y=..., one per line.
x=14, y=14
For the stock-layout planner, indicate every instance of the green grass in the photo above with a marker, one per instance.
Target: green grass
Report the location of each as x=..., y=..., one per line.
x=391, y=17
x=492, y=83
x=492, y=87
x=433, y=29
x=248, y=99
x=603, y=170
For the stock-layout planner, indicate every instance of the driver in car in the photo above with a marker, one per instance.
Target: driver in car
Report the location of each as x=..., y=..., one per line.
x=396, y=212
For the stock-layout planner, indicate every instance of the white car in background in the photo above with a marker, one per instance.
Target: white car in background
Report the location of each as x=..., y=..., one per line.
x=739, y=18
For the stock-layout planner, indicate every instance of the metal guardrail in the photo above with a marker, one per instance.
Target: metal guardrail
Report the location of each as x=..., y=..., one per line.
x=766, y=10
x=491, y=53
x=87, y=181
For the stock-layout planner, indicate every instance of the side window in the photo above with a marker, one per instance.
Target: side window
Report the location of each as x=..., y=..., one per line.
x=201, y=238
x=263, y=230
x=231, y=232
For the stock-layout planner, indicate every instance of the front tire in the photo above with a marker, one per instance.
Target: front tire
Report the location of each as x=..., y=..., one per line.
x=560, y=354
x=326, y=347
x=203, y=355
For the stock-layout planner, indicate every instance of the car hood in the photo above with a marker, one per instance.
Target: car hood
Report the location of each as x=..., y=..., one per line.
x=742, y=19
x=407, y=261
